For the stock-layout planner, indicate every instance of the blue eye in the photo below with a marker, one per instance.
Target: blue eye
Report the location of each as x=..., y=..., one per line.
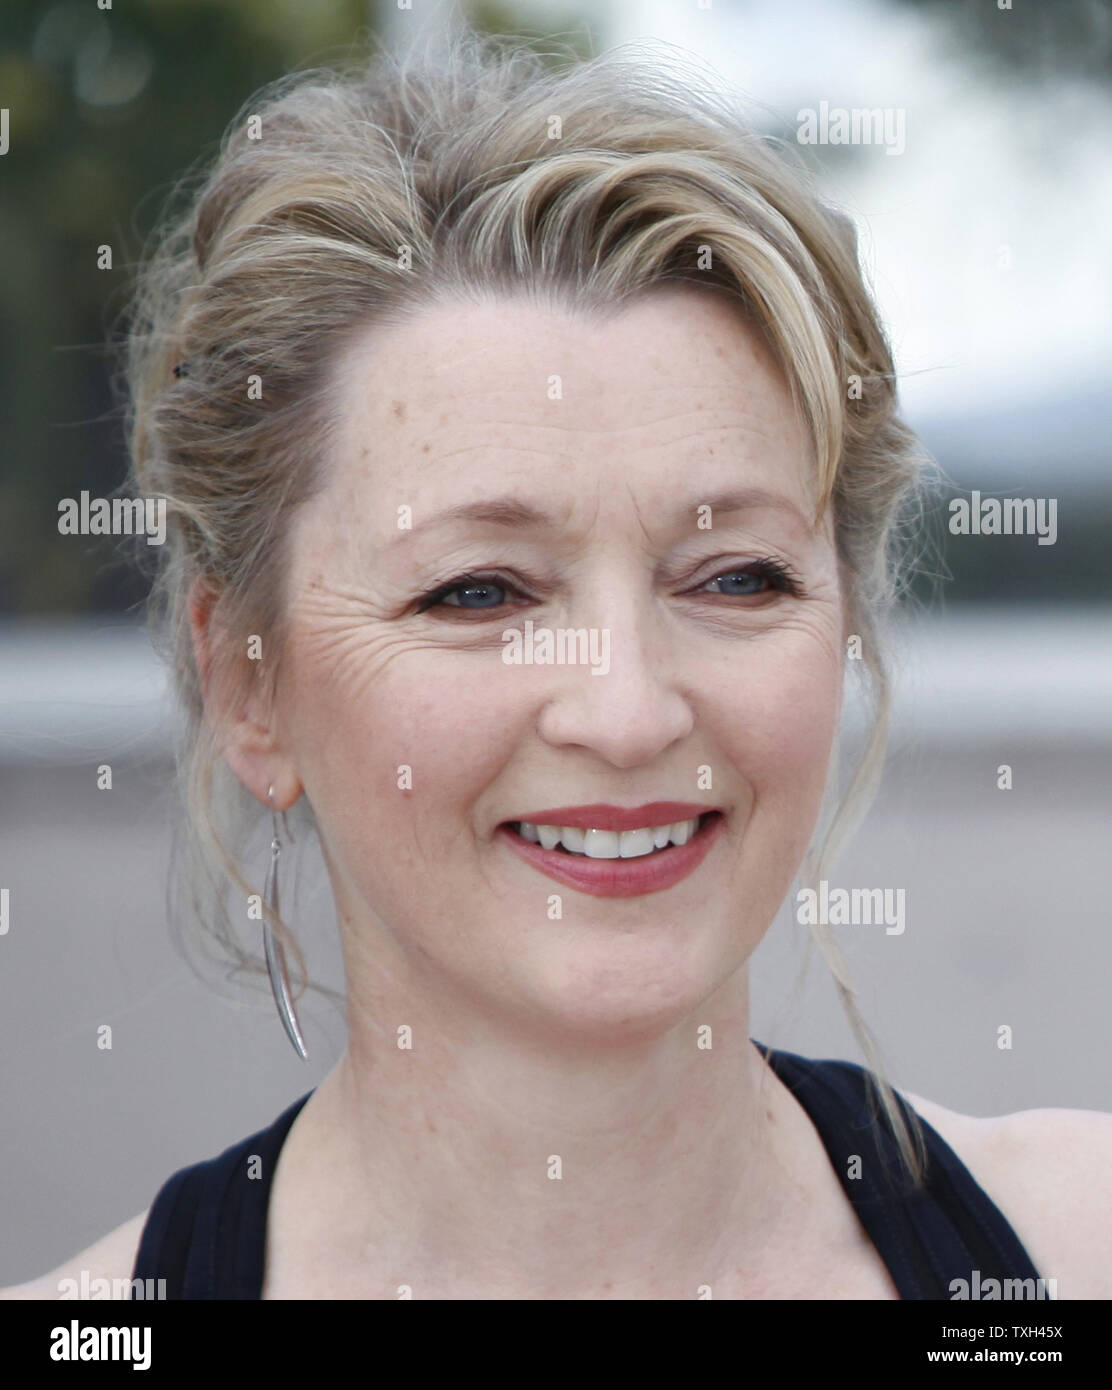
x=483, y=593
x=757, y=578
x=475, y=593
x=749, y=583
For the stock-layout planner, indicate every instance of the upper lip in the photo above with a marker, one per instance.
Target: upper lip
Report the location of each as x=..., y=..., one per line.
x=599, y=816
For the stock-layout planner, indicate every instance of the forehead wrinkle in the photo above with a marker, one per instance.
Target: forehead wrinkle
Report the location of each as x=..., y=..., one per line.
x=690, y=424
x=762, y=432
x=758, y=431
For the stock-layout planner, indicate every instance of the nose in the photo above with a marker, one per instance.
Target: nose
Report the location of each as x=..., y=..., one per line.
x=631, y=713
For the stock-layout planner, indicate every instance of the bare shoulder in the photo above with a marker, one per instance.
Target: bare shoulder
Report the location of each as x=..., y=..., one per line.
x=1050, y=1173
x=112, y=1258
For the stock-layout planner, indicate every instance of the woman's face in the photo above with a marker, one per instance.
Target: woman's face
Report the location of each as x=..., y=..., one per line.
x=418, y=744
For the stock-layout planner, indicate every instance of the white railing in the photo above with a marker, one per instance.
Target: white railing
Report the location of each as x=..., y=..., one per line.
x=75, y=692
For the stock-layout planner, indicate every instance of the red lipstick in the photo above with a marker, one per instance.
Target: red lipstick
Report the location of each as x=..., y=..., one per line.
x=619, y=878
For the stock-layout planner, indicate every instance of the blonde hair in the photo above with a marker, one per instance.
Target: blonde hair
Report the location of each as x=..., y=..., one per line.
x=342, y=199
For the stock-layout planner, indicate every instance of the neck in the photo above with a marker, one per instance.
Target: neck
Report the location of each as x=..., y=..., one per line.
x=480, y=1155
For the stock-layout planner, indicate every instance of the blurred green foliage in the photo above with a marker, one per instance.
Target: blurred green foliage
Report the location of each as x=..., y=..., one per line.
x=106, y=110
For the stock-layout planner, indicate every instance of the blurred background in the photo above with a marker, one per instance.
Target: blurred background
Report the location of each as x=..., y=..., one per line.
x=986, y=237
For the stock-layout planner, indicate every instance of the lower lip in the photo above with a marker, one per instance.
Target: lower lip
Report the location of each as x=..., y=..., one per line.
x=619, y=878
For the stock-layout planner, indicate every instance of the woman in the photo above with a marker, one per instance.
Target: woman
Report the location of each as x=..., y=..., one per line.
x=446, y=364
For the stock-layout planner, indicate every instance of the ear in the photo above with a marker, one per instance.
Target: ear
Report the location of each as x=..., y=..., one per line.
x=233, y=702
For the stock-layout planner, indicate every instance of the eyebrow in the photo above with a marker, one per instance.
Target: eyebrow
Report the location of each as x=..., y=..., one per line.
x=517, y=514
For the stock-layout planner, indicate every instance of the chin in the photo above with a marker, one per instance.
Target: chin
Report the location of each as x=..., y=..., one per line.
x=601, y=1003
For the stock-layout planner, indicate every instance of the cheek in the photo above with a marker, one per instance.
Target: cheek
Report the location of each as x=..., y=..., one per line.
x=779, y=740
x=786, y=717
x=399, y=748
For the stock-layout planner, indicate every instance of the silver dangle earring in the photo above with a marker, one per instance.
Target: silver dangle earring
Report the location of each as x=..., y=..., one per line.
x=275, y=955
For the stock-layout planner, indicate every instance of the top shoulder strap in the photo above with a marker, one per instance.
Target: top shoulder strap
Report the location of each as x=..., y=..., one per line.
x=205, y=1234
x=945, y=1239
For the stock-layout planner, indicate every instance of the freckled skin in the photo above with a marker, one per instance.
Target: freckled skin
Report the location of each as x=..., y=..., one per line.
x=749, y=687
x=570, y=1035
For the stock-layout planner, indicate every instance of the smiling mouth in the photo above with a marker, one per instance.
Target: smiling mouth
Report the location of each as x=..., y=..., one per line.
x=608, y=844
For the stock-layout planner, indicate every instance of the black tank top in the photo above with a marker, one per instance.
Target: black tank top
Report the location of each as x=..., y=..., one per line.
x=206, y=1230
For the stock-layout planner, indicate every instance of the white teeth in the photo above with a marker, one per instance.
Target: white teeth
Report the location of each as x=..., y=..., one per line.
x=573, y=838
x=609, y=844
x=683, y=832
x=633, y=843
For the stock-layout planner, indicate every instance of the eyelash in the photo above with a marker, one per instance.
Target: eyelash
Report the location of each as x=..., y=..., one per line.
x=779, y=575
